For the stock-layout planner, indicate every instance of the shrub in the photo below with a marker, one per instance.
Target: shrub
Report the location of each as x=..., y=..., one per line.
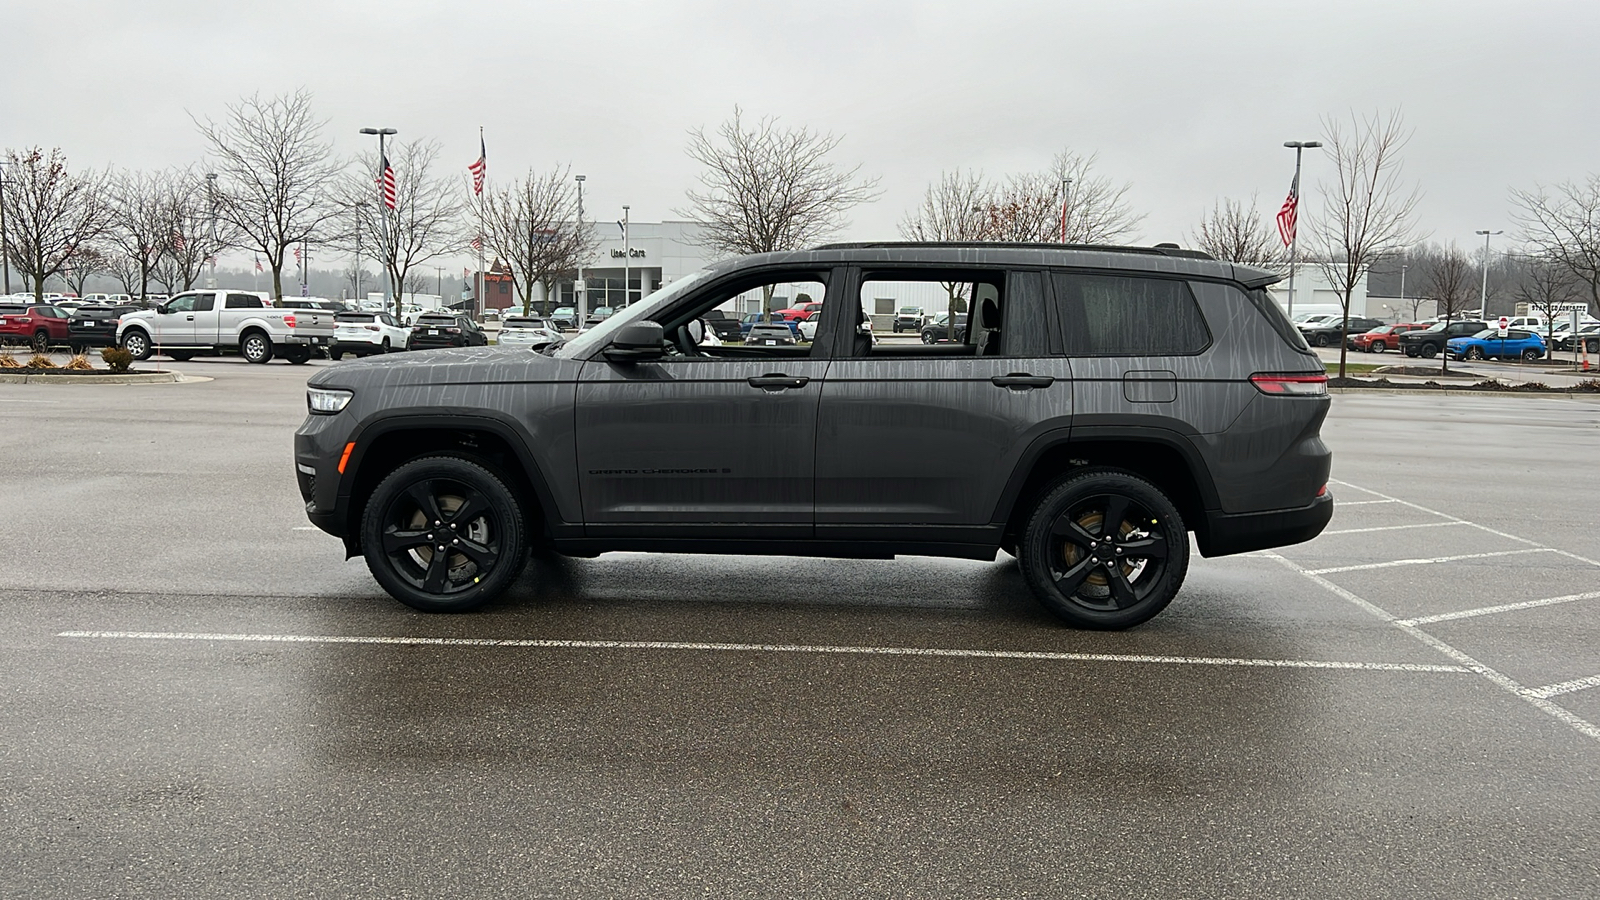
x=80, y=363
x=117, y=359
x=7, y=361
x=40, y=361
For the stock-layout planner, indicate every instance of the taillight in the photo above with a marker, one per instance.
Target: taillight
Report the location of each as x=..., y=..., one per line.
x=1291, y=385
x=289, y=320
x=451, y=330
x=370, y=327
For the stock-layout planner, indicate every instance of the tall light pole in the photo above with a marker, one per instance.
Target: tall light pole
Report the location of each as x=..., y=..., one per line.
x=361, y=212
x=1483, y=296
x=579, y=287
x=1402, y=289
x=383, y=217
x=211, y=195
x=627, y=259
x=1066, y=203
x=1294, y=238
x=5, y=258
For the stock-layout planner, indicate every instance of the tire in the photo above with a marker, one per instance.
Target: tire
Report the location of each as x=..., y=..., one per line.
x=385, y=346
x=1475, y=353
x=297, y=356
x=181, y=355
x=1322, y=340
x=1091, y=582
x=1530, y=354
x=397, y=538
x=336, y=355
x=135, y=341
x=928, y=338
x=1429, y=351
x=40, y=342
x=1411, y=352
x=256, y=348
x=1377, y=347
x=1592, y=346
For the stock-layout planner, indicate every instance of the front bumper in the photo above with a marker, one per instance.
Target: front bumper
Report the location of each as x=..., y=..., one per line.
x=1228, y=533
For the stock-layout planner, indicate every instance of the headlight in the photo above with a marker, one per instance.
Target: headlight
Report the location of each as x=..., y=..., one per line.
x=325, y=402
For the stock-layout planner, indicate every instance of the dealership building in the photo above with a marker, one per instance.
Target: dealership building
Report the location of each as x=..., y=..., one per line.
x=654, y=254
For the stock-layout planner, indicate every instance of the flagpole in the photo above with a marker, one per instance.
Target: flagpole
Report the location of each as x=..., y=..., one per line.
x=1294, y=236
x=627, y=260
x=477, y=294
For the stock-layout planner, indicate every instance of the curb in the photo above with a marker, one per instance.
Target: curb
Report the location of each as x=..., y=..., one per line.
x=1457, y=392
x=140, y=378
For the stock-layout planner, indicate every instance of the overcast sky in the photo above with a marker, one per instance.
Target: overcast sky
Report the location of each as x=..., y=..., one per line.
x=1188, y=101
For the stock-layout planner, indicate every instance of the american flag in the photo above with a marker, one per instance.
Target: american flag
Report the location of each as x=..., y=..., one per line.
x=480, y=168
x=258, y=265
x=477, y=242
x=1289, y=212
x=297, y=255
x=466, y=274
x=387, y=179
x=177, y=240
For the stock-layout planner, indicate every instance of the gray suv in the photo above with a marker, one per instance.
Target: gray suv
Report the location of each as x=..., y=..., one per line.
x=1106, y=403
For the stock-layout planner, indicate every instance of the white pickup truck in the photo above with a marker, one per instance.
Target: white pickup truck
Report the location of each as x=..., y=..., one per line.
x=197, y=322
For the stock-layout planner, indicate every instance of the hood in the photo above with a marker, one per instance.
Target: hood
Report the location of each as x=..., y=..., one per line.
x=457, y=365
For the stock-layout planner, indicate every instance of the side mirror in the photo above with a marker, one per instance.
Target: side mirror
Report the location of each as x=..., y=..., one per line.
x=637, y=341
x=697, y=331
x=163, y=311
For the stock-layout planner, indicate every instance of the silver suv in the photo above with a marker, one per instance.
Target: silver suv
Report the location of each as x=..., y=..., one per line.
x=1106, y=403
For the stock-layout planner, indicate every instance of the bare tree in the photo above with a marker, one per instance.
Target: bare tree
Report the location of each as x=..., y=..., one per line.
x=141, y=227
x=1065, y=203
x=85, y=263
x=1562, y=224
x=768, y=188
x=1236, y=233
x=533, y=225
x=1450, y=282
x=424, y=224
x=956, y=208
x=1367, y=210
x=195, y=234
x=276, y=172
x=1547, y=287
x=51, y=213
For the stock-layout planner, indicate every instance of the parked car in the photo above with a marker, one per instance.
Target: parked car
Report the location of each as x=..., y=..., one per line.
x=1124, y=400
x=808, y=328
x=39, y=325
x=245, y=322
x=1488, y=343
x=770, y=334
x=527, y=331
x=1383, y=337
x=1430, y=342
x=366, y=333
x=939, y=329
x=597, y=315
x=333, y=306
x=434, y=330
x=1327, y=333
x=753, y=319
x=1587, y=337
x=800, y=313
x=96, y=326
x=564, y=317
x=908, y=318
x=725, y=325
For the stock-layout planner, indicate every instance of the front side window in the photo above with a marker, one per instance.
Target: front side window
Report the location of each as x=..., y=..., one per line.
x=181, y=304
x=759, y=297
x=1129, y=315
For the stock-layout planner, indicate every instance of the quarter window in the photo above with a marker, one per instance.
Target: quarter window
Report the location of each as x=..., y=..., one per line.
x=1129, y=315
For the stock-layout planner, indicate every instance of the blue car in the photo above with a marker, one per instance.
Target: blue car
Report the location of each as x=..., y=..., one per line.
x=1516, y=344
x=752, y=319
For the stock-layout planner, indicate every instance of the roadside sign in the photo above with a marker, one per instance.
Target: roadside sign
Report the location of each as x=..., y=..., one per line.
x=1502, y=325
x=579, y=286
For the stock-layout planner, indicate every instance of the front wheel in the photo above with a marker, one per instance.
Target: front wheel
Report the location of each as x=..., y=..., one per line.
x=1377, y=346
x=443, y=534
x=1322, y=340
x=1104, y=549
x=928, y=338
x=256, y=348
x=1475, y=353
x=137, y=343
x=1429, y=351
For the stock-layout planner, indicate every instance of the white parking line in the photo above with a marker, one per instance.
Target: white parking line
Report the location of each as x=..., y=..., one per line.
x=1344, y=503
x=1421, y=562
x=768, y=648
x=1455, y=519
x=1504, y=607
x=1565, y=687
x=1393, y=527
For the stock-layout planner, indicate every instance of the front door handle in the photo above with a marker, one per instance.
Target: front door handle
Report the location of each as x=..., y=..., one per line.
x=776, y=381
x=1022, y=381
x=190, y=318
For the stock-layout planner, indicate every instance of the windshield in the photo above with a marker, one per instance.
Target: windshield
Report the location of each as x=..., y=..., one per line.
x=1487, y=333
x=600, y=334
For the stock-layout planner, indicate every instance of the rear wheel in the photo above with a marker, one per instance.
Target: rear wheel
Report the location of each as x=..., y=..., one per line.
x=385, y=346
x=136, y=342
x=442, y=534
x=1530, y=354
x=1104, y=549
x=256, y=348
x=40, y=342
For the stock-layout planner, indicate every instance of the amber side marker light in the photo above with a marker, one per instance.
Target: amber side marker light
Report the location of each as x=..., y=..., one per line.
x=345, y=457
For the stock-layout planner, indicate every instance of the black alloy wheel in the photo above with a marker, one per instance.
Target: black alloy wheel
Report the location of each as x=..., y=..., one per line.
x=385, y=346
x=1411, y=352
x=928, y=338
x=137, y=343
x=1429, y=351
x=40, y=342
x=443, y=534
x=1323, y=340
x=1104, y=549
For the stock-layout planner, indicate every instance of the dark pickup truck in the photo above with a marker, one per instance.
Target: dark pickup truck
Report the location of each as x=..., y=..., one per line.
x=1431, y=341
x=1106, y=404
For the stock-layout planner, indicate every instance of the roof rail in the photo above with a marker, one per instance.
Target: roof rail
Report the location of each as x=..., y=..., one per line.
x=1158, y=250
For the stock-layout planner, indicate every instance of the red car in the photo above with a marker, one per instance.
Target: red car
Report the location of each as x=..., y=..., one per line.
x=36, y=324
x=799, y=313
x=1382, y=338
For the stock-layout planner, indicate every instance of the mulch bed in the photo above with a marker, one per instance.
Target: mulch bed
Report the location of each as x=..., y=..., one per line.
x=1488, y=386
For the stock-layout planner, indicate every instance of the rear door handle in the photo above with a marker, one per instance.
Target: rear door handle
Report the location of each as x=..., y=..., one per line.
x=1021, y=381
x=773, y=381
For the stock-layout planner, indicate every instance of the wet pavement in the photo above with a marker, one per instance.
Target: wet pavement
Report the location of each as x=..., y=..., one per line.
x=204, y=699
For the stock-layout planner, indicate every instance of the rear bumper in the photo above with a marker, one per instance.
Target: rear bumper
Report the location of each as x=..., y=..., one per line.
x=1228, y=533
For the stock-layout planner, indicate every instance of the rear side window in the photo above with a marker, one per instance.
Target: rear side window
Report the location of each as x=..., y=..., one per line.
x=243, y=301
x=1129, y=315
x=1280, y=323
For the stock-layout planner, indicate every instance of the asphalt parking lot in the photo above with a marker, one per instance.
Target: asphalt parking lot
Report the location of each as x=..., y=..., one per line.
x=204, y=699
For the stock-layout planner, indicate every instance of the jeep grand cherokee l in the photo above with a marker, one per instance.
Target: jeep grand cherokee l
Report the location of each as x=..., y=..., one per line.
x=1106, y=403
